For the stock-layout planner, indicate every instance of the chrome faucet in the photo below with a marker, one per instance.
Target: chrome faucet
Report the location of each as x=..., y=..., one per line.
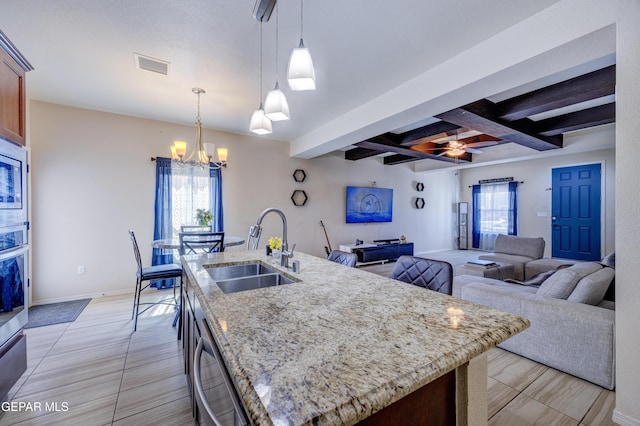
x=256, y=230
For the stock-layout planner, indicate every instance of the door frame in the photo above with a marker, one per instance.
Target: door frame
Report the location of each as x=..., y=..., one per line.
x=603, y=200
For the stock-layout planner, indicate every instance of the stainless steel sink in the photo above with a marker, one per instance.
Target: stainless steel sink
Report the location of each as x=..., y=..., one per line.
x=252, y=283
x=249, y=276
x=236, y=271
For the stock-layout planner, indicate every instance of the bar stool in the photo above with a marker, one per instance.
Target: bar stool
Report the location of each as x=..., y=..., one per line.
x=151, y=274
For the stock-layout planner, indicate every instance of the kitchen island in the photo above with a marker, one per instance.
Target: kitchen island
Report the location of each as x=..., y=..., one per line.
x=341, y=345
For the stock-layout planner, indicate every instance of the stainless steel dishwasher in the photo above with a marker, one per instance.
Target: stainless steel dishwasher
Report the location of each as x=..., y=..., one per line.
x=217, y=402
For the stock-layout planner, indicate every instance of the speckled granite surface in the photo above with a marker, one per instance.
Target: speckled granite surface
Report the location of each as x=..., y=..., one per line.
x=340, y=344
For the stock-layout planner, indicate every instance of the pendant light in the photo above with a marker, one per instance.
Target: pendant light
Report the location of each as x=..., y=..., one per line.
x=260, y=124
x=300, y=74
x=276, y=107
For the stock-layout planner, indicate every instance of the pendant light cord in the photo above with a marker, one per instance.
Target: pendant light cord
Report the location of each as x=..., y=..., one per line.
x=277, y=14
x=301, y=9
x=260, y=62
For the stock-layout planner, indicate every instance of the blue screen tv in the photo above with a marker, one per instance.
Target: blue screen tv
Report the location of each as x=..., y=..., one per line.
x=367, y=205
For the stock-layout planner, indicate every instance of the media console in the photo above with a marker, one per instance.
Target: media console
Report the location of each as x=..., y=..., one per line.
x=369, y=253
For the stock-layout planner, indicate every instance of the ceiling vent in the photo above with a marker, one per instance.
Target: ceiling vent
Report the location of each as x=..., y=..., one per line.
x=262, y=10
x=148, y=63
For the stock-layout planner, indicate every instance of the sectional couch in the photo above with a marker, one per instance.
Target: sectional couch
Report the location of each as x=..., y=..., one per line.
x=517, y=251
x=572, y=327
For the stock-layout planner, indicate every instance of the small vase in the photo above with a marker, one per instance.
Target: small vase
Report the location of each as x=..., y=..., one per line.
x=275, y=253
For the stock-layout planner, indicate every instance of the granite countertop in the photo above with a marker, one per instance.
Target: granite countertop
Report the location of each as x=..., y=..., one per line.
x=340, y=344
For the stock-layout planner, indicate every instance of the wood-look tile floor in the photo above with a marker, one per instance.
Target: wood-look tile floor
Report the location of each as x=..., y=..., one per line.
x=95, y=371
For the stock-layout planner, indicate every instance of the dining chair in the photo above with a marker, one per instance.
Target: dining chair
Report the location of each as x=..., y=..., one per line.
x=196, y=228
x=201, y=242
x=434, y=275
x=151, y=274
x=344, y=258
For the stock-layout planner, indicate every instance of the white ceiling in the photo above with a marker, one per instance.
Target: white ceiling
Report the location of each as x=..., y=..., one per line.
x=83, y=52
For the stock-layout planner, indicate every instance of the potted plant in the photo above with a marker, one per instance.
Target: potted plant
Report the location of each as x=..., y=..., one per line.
x=204, y=217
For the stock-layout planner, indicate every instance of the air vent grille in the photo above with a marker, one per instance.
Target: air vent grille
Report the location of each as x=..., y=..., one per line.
x=151, y=64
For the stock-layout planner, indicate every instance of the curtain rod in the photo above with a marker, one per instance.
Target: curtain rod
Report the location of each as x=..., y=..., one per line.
x=505, y=181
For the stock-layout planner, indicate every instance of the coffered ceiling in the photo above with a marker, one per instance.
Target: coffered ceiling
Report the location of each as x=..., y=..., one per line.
x=536, y=119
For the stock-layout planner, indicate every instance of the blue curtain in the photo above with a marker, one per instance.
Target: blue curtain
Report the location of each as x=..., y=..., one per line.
x=513, y=208
x=216, y=199
x=162, y=221
x=475, y=206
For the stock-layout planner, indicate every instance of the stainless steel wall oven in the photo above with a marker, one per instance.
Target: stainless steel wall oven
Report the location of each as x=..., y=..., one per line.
x=14, y=263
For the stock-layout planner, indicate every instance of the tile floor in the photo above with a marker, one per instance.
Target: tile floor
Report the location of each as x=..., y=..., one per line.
x=100, y=373
x=95, y=371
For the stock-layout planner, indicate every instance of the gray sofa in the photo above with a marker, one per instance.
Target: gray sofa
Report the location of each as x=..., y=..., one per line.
x=572, y=327
x=517, y=251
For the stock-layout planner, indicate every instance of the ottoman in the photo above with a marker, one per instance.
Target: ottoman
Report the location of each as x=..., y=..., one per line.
x=501, y=272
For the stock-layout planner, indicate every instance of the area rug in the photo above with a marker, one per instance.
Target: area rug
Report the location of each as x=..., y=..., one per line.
x=55, y=313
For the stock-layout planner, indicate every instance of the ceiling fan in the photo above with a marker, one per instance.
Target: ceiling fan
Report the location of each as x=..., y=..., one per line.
x=456, y=147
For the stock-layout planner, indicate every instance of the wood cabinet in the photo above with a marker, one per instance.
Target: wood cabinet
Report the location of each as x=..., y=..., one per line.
x=13, y=67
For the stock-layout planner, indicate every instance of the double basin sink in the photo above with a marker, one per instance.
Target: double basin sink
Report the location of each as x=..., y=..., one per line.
x=248, y=276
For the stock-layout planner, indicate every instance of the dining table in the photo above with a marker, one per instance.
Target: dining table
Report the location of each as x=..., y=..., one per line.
x=174, y=243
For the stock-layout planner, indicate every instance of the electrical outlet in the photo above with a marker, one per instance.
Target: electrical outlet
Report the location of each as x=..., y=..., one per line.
x=80, y=269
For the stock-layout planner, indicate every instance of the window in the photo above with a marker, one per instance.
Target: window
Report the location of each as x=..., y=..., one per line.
x=180, y=191
x=190, y=190
x=494, y=212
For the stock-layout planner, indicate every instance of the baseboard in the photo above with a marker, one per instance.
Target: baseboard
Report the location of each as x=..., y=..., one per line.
x=83, y=296
x=624, y=420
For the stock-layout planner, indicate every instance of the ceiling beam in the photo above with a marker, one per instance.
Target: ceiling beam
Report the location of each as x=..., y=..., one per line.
x=399, y=158
x=481, y=116
x=413, y=137
x=360, y=153
x=596, y=116
x=384, y=144
x=586, y=87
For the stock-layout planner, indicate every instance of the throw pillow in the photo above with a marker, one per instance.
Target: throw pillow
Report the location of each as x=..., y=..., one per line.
x=609, y=260
x=561, y=284
x=535, y=280
x=592, y=288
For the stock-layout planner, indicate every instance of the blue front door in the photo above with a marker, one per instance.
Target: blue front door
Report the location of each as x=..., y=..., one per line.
x=575, y=212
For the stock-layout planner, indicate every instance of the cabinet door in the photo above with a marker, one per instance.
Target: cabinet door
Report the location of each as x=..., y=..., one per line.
x=12, y=95
x=405, y=249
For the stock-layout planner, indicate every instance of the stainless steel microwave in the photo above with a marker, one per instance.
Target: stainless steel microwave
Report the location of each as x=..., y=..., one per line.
x=13, y=184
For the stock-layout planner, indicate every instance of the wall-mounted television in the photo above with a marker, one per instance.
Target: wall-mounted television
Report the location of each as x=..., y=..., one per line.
x=366, y=205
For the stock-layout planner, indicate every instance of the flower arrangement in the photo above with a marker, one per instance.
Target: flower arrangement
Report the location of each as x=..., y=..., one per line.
x=275, y=243
x=204, y=217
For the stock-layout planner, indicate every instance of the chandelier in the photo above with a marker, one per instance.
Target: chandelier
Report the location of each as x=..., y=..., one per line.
x=202, y=153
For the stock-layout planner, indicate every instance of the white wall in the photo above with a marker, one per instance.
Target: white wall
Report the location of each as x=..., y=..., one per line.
x=534, y=198
x=92, y=180
x=627, y=208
